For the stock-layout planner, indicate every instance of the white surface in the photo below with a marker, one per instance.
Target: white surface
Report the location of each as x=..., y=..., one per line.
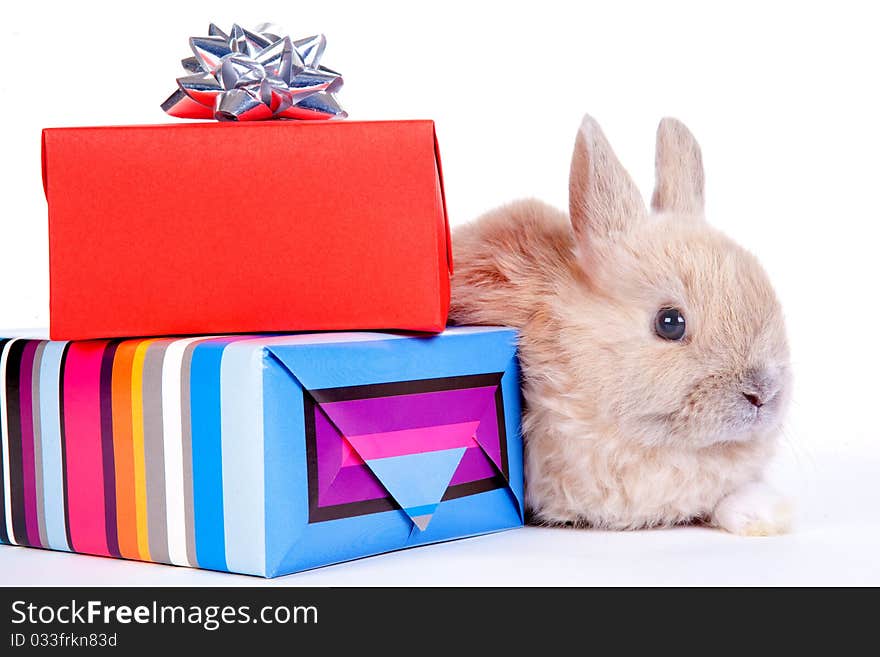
x=836, y=542
x=782, y=96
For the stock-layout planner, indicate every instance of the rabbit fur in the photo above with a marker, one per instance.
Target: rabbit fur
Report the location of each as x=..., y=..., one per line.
x=623, y=429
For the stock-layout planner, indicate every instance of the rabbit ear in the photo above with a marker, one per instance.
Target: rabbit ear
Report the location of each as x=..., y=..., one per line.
x=603, y=199
x=679, y=170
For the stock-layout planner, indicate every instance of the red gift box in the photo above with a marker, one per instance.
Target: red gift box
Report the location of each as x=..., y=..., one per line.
x=245, y=227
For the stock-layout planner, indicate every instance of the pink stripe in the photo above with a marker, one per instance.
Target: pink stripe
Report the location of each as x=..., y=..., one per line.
x=82, y=433
x=28, y=466
x=411, y=441
x=349, y=456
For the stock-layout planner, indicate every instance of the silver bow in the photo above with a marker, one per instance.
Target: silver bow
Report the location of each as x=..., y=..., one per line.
x=250, y=76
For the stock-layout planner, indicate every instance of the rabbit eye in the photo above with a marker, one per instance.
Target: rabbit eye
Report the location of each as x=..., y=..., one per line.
x=669, y=324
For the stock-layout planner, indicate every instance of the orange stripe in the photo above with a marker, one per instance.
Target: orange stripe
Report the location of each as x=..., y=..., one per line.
x=126, y=513
x=137, y=442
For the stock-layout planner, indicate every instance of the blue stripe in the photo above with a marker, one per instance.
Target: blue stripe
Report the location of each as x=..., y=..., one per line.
x=426, y=510
x=207, y=469
x=50, y=440
x=241, y=394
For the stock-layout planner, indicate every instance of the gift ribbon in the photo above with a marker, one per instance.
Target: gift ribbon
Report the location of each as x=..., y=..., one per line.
x=252, y=76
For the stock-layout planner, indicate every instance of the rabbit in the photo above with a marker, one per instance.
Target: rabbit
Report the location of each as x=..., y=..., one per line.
x=654, y=355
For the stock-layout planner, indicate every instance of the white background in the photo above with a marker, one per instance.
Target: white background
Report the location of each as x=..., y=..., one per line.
x=783, y=98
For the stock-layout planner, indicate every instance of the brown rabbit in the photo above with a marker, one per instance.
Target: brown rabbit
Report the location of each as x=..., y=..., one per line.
x=655, y=361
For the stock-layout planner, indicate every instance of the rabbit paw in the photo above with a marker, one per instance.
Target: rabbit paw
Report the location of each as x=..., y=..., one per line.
x=754, y=510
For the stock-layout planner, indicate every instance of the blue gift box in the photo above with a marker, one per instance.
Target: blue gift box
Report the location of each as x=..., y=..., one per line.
x=262, y=455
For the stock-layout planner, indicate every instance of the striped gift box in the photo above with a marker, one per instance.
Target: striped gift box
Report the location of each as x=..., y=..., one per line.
x=259, y=455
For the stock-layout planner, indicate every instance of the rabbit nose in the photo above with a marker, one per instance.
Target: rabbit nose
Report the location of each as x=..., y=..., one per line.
x=754, y=400
x=759, y=387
